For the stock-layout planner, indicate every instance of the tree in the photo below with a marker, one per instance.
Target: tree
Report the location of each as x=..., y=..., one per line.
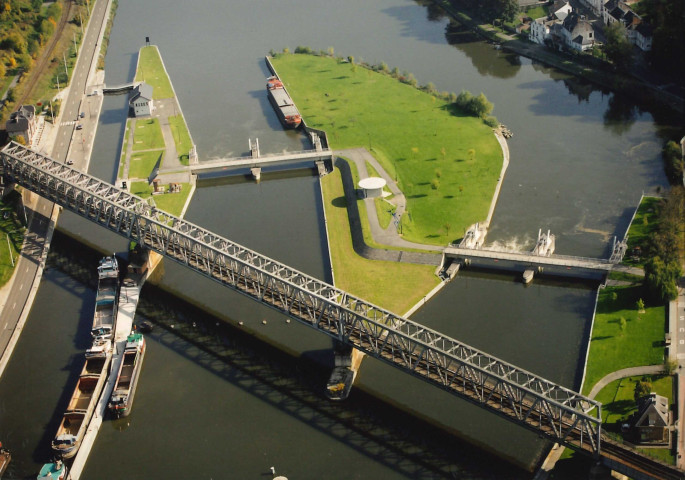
x=622, y=323
x=331, y=51
x=447, y=227
x=673, y=162
x=472, y=154
x=642, y=388
x=3, y=70
x=20, y=139
x=480, y=106
x=640, y=304
x=670, y=366
x=443, y=152
x=617, y=47
x=661, y=278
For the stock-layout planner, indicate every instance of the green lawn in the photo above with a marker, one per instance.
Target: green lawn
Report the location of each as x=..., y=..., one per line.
x=169, y=202
x=407, y=130
x=392, y=285
x=147, y=135
x=643, y=227
x=11, y=235
x=613, y=348
x=151, y=71
x=536, y=12
x=142, y=163
x=179, y=129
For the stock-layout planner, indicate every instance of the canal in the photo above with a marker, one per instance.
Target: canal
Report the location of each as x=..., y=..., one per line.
x=580, y=159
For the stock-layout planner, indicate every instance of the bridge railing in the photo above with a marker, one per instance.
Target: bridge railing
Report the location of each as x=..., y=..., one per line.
x=564, y=260
x=266, y=156
x=509, y=391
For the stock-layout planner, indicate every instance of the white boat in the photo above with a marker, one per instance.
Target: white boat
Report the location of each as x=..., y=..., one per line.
x=101, y=348
x=121, y=401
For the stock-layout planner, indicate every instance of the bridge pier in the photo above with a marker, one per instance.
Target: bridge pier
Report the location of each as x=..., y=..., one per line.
x=256, y=173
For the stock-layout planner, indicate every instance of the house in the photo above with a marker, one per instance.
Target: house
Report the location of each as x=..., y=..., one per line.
x=638, y=32
x=577, y=33
x=140, y=100
x=22, y=122
x=652, y=420
x=542, y=28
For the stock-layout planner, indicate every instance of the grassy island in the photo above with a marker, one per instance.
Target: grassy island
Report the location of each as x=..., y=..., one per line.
x=446, y=162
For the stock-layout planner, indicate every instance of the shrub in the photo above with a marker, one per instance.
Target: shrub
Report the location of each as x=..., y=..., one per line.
x=303, y=49
x=435, y=184
x=491, y=121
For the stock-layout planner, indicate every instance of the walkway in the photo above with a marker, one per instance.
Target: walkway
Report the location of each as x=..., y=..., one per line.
x=623, y=373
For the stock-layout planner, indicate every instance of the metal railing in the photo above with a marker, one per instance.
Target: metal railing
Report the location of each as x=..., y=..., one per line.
x=500, y=387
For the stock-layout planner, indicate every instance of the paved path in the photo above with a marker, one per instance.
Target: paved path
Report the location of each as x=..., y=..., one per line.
x=623, y=373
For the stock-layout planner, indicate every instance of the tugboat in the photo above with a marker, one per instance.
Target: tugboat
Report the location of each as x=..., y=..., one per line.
x=121, y=401
x=56, y=470
x=280, y=99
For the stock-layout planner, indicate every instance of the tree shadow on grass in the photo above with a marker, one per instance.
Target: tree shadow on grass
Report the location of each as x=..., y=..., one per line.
x=339, y=202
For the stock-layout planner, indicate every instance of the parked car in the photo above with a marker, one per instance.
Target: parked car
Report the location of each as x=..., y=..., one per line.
x=70, y=162
x=82, y=114
x=79, y=126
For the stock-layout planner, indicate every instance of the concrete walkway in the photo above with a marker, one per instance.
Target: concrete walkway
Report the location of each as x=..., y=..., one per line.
x=623, y=373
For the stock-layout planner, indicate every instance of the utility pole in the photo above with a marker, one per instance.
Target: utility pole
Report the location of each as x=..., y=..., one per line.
x=64, y=57
x=75, y=48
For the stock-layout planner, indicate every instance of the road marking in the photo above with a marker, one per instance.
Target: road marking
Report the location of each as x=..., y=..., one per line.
x=14, y=305
x=21, y=285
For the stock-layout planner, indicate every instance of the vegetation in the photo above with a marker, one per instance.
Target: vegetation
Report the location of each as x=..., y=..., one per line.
x=477, y=106
x=11, y=235
x=169, y=202
x=151, y=71
x=673, y=162
x=617, y=47
x=147, y=134
x=640, y=342
x=668, y=45
x=641, y=231
x=490, y=10
x=392, y=285
x=181, y=135
x=410, y=132
x=142, y=163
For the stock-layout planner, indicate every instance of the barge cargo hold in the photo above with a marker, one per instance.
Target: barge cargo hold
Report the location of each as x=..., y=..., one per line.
x=106, y=300
x=285, y=107
x=121, y=401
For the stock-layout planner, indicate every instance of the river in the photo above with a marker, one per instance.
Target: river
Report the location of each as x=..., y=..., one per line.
x=580, y=159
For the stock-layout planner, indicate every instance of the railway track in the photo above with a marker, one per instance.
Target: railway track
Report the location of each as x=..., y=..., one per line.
x=44, y=58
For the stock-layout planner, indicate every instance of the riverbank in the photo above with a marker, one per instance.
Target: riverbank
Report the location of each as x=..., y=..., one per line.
x=634, y=88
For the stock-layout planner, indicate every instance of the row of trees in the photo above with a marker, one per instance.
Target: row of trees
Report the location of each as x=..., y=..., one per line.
x=490, y=10
x=667, y=248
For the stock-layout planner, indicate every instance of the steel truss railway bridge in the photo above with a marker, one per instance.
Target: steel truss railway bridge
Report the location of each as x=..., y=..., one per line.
x=557, y=413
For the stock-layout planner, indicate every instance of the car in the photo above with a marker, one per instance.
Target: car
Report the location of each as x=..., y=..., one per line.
x=70, y=162
x=79, y=126
x=82, y=114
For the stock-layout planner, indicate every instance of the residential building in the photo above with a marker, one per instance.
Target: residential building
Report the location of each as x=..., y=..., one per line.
x=577, y=33
x=651, y=425
x=22, y=122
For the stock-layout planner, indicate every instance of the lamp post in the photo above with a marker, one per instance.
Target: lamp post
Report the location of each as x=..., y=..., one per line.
x=9, y=248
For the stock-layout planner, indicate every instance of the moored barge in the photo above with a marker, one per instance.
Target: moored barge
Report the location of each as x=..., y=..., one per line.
x=121, y=401
x=280, y=99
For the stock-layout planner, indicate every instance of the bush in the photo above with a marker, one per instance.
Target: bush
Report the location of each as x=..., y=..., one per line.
x=435, y=184
x=301, y=49
x=491, y=121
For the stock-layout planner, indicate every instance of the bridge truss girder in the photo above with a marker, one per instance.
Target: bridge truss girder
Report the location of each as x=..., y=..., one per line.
x=513, y=393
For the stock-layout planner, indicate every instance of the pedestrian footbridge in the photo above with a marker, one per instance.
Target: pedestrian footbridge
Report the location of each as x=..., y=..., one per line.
x=535, y=403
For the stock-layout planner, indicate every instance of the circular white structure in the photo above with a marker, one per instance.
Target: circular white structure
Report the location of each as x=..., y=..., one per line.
x=372, y=186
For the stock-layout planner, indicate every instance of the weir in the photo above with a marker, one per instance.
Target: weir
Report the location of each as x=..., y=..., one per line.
x=558, y=413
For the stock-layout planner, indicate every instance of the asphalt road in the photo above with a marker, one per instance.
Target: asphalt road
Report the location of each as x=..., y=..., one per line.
x=40, y=216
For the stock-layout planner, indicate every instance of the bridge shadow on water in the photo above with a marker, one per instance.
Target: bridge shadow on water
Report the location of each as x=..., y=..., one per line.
x=411, y=446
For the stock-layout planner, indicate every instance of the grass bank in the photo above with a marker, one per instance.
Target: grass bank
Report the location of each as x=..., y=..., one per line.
x=151, y=71
x=11, y=235
x=642, y=228
x=420, y=139
x=392, y=285
x=635, y=341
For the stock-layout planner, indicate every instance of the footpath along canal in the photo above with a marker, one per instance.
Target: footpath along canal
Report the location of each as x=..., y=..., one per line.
x=583, y=190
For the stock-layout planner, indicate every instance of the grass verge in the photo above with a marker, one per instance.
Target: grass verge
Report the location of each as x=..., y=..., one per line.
x=179, y=130
x=615, y=344
x=142, y=163
x=392, y=285
x=413, y=134
x=169, y=202
x=147, y=135
x=11, y=235
x=151, y=71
